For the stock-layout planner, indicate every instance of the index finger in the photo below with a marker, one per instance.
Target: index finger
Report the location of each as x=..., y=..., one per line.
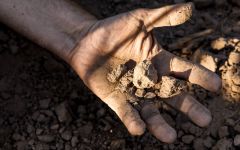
x=167, y=63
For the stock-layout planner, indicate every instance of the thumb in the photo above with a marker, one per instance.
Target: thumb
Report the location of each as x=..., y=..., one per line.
x=166, y=16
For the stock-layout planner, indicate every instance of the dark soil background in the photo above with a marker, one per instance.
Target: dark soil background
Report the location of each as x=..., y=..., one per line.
x=44, y=105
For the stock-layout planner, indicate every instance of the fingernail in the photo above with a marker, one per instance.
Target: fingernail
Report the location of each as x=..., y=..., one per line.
x=167, y=135
x=136, y=127
x=200, y=116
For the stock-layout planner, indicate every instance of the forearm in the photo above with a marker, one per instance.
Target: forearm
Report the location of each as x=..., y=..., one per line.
x=53, y=24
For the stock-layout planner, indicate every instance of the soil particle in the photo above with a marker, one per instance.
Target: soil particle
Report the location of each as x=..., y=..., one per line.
x=230, y=122
x=234, y=58
x=54, y=126
x=30, y=128
x=150, y=95
x=206, y=59
x=74, y=141
x=145, y=75
x=42, y=146
x=198, y=144
x=21, y=145
x=101, y=112
x=63, y=113
x=118, y=144
x=200, y=93
x=208, y=142
x=17, y=137
x=85, y=130
x=126, y=81
x=218, y=44
x=140, y=92
x=66, y=135
x=235, y=88
x=46, y=138
x=236, y=79
x=187, y=139
x=223, y=144
x=237, y=128
x=171, y=86
x=68, y=147
x=223, y=131
x=237, y=140
x=117, y=73
x=39, y=131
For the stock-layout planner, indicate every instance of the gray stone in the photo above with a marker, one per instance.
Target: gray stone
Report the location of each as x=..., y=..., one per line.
x=198, y=144
x=66, y=135
x=223, y=131
x=118, y=144
x=63, y=113
x=46, y=138
x=74, y=141
x=237, y=140
x=187, y=139
x=208, y=142
x=68, y=147
x=149, y=95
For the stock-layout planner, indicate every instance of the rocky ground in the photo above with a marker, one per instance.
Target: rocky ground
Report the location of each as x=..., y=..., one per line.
x=44, y=105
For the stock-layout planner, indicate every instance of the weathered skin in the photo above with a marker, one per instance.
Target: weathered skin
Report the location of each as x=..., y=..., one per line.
x=91, y=46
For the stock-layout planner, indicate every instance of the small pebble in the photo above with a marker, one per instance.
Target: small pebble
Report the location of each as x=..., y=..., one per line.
x=223, y=131
x=46, y=138
x=74, y=141
x=140, y=92
x=218, y=44
x=234, y=58
x=208, y=142
x=237, y=140
x=66, y=135
x=62, y=113
x=150, y=95
x=187, y=139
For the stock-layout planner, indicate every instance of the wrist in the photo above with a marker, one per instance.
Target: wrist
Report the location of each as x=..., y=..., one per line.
x=82, y=55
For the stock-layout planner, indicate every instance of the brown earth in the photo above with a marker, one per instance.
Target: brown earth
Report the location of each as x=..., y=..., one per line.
x=44, y=105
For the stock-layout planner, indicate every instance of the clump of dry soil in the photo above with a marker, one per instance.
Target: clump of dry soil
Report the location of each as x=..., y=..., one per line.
x=143, y=82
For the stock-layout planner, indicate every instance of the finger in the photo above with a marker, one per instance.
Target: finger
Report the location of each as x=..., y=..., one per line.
x=185, y=103
x=167, y=63
x=195, y=73
x=127, y=114
x=168, y=16
x=156, y=124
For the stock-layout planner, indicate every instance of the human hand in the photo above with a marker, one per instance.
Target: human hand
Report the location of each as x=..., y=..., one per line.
x=107, y=43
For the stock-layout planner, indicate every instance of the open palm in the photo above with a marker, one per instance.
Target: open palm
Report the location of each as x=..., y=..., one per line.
x=115, y=40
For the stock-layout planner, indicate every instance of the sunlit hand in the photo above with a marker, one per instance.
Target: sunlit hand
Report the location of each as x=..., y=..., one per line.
x=106, y=43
